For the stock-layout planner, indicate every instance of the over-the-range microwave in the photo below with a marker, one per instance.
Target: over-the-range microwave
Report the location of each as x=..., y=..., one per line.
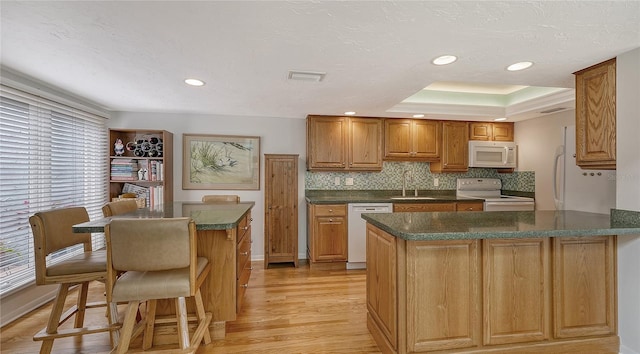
x=492, y=154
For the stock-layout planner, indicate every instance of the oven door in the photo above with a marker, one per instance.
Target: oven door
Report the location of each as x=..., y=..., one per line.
x=509, y=205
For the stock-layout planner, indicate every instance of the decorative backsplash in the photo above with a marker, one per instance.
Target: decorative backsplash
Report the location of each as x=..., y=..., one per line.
x=391, y=178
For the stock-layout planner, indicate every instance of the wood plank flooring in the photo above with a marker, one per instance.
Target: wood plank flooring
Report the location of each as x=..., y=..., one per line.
x=286, y=310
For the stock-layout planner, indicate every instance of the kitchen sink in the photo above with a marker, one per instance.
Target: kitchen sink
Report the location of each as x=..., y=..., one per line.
x=412, y=198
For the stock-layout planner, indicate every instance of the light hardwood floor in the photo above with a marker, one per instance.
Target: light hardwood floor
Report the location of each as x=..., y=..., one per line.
x=286, y=310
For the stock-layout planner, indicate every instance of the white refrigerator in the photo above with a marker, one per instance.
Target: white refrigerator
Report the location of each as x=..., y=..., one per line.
x=577, y=189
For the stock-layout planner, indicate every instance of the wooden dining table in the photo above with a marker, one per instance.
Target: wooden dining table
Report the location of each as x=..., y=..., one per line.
x=224, y=238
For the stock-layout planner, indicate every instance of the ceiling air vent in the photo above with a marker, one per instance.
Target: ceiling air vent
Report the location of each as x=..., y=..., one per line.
x=306, y=75
x=553, y=110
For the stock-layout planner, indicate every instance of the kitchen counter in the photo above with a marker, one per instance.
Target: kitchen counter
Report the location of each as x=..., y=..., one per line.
x=381, y=196
x=510, y=224
x=209, y=216
x=507, y=282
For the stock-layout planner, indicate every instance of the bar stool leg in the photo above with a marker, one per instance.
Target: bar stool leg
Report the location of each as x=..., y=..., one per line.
x=81, y=304
x=183, y=328
x=150, y=318
x=201, y=315
x=127, y=326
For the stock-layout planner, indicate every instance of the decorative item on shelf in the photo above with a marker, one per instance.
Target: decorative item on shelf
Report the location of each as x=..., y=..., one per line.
x=118, y=147
x=142, y=175
x=144, y=146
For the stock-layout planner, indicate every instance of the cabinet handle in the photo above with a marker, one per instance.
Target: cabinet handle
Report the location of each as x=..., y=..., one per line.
x=245, y=285
x=251, y=219
x=245, y=228
x=331, y=210
x=244, y=253
x=250, y=268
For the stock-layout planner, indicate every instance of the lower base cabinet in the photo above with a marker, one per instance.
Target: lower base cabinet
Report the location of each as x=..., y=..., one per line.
x=534, y=295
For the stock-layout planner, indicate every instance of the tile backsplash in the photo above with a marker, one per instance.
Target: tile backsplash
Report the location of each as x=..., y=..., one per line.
x=391, y=178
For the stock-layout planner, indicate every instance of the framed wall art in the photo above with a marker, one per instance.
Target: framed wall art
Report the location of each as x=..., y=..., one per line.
x=220, y=162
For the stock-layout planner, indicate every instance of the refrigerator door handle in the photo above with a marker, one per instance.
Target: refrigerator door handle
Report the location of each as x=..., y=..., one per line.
x=556, y=198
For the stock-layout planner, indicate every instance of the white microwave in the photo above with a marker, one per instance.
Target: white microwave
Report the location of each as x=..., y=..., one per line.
x=492, y=154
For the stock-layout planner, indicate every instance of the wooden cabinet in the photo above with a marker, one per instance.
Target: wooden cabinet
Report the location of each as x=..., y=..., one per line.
x=344, y=143
x=517, y=285
x=469, y=206
x=382, y=292
x=596, y=116
x=243, y=258
x=455, y=148
x=491, y=131
x=584, y=295
x=423, y=207
x=443, y=291
x=412, y=139
x=147, y=154
x=281, y=209
x=327, y=236
x=537, y=295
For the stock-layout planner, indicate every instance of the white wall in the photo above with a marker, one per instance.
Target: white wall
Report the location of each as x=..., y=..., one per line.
x=537, y=140
x=628, y=196
x=277, y=136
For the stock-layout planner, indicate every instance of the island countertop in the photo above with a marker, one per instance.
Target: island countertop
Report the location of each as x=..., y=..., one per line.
x=501, y=224
x=207, y=216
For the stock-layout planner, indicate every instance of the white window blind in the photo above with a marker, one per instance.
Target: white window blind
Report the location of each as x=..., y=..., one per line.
x=51, y=156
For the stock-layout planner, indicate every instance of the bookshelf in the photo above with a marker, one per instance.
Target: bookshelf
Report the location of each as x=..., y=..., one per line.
x=143, y=164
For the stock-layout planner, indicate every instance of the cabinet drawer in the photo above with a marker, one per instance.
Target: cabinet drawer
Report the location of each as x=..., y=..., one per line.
x=244, y=225
x=330, y=210
x=425, y=207
x=243, y=256
x=477, y=206
x=242, y=284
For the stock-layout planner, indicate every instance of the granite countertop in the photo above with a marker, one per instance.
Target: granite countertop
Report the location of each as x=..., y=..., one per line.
x=381, y=196
x=501, y=224
x=210, y=216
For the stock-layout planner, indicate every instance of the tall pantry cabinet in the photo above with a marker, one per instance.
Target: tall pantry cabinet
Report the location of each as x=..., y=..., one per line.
x=281, y=209
x=141, y=162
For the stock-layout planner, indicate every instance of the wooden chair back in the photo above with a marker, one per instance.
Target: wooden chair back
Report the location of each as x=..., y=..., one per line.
x=221, y=199
x=119, y=207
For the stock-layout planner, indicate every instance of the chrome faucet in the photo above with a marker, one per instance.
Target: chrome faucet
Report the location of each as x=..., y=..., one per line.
x=404, y=182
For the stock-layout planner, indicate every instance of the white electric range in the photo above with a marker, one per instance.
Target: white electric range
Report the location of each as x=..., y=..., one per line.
x=490, y=189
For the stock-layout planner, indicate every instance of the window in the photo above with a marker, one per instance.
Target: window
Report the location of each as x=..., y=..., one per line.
x=51, y=156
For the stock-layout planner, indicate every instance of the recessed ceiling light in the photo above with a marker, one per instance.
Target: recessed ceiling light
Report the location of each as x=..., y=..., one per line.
x=418, y=116
x=350, y=113
x=444, y=60
x=520, y=66
x=194, y=82
x=500, y=119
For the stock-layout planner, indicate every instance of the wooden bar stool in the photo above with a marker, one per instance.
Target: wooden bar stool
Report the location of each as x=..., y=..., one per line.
x=159, y=261
x=52, y=232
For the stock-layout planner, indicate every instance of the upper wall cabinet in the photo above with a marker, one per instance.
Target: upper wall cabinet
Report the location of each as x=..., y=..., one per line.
x=344, y=143
x=455, y=148
x=491, y=131
x=412, y=139
x=596, y=116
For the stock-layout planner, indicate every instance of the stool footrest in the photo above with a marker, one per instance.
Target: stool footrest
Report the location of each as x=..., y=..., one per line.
x=43, y=335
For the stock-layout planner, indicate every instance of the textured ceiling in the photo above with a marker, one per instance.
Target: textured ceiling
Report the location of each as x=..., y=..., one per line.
x=133, y=55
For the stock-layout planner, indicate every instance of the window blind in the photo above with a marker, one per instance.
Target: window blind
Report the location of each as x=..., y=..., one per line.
x=51, y=156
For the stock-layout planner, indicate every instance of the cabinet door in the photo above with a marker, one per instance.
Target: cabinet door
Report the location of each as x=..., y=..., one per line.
x=281, y=209
x=596, y=116
x=397, y=138
x=516, y=290
x=423, y=207
x=503, y=131
x=330, y=238
x=480, y=131
x=382, y=283
x=455, y=151
x=584, y=295
x=443, y=293
x=426, y=139
x=327, y=142
x=365, y=144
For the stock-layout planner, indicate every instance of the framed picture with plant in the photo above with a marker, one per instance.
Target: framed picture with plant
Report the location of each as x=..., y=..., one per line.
x=220, y=162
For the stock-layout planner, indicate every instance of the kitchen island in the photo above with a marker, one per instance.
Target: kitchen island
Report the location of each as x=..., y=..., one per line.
x=494, y=282
x=224, y=237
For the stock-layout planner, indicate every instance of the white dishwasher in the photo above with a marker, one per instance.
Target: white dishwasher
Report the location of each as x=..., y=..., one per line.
x=357, y=257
